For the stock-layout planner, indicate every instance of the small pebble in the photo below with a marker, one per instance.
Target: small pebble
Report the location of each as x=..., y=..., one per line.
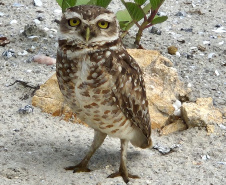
x=38, y=3
x=217, y=73
x=181, y=41
x=161, y=14
x=220, y=30
x=178, y=54
x=180, y=14
x=190, y=56
x=3, y=40
x=26, y=110
x=53, y=30
x=193, y=49
x=222, y=126
x=33, y=38
x=221, y=43
x=206, y=42
x=42, y=59
x=46, y=29
x=189, y=85
x=172, y=50
x=1, y=14
x=177, y=106
x=205, y=157
x=211, y=55
x=23, y=53
x=8, y=54
x=187, y=29
x=18, y=5
x=29, y=71
x=218, y=25
x=36, y=21
x=201, y=48
x=32, y=49
x=155, y=30
x=40, y=18
x=222, y=163
x=213, y=37
x=13, y=22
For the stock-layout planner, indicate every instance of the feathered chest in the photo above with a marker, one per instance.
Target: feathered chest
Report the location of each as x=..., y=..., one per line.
x=83, y=77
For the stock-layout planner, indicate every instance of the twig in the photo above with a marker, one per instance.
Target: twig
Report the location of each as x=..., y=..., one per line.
x=25, y=84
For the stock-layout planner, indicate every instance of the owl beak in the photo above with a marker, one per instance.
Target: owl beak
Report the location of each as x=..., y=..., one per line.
x=87, y=34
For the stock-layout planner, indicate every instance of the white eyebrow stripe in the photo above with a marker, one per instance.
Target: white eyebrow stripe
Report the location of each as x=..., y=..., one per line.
x=106, y=16
x=70, y=15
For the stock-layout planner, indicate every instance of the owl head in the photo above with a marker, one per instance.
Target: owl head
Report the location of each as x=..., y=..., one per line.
x=88, y=25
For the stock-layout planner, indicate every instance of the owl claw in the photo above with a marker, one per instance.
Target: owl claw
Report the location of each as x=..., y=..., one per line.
x=125, y=177
x=78, y=169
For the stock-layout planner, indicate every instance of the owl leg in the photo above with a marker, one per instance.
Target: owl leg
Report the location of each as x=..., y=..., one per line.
x=123, y=169
x=82, y=166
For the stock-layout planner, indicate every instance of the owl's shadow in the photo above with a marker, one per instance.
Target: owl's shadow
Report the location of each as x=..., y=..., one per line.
x=102, y=157
x=47, y=153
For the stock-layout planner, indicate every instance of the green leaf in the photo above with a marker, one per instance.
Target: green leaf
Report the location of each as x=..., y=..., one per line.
x=135, y=11
x=156, y=3
x=124, y=18
x=103, y=3
x=158, y=19
x=147, y=8
x=123, y=15
x=140, y=2
x=82, y=2
x=91, y=2
x=67, y=4
x=59, y=2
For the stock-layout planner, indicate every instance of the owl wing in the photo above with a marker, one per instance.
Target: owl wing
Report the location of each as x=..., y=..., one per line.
x=129, y=90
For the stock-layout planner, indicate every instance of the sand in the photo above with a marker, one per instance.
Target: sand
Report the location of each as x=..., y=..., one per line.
x=35, y=147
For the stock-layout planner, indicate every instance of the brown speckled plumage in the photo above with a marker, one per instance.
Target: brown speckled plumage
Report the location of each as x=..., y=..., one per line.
x=102, y=83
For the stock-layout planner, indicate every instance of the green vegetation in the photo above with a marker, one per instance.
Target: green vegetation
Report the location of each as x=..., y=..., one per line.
x=142, y=13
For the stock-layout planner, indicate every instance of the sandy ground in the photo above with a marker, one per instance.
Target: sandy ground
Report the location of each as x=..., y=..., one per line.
x=35, y=147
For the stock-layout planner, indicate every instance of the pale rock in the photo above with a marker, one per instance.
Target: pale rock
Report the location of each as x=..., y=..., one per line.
x=178, y=125
x=162, y=85
x=210, y=129
x=50, y=100
x=201, y=113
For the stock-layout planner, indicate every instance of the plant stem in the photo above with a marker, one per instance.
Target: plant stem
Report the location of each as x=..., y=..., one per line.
x=145, y=25
x=140, y=32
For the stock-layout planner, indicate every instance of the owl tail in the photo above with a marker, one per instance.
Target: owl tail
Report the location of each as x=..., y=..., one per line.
x=141, y=141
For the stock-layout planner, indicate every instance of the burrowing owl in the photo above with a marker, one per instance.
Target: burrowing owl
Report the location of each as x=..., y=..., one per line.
x=101, y=82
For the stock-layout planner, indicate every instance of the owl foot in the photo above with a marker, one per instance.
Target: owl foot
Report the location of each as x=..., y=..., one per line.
x=78, y=168
x=124, y=176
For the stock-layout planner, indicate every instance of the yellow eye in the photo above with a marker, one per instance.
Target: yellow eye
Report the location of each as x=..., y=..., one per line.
x=74, y=22
x=103, y=24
